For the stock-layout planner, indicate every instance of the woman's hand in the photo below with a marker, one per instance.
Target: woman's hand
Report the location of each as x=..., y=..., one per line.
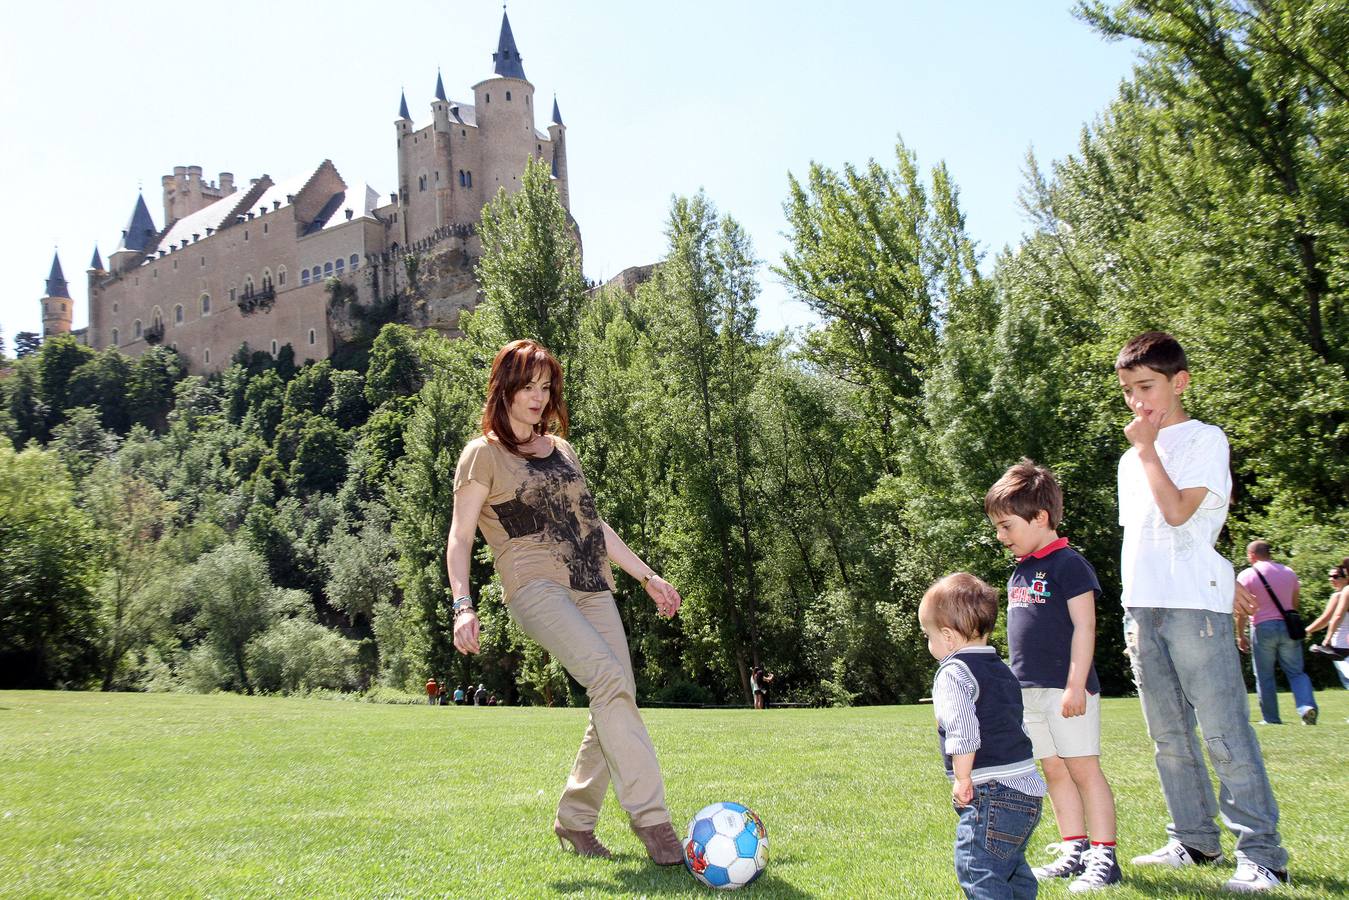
x=667, y=598
x=466, y=632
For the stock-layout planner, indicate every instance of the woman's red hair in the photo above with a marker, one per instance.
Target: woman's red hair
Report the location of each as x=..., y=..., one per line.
x=514, y=366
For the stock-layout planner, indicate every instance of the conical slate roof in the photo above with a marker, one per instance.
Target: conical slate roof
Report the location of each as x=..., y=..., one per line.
x=403, y=106
x=97, y=262
x=557, y=113
x=140, y=230
x=56, y=281
x=507, y=58
x=440, y=88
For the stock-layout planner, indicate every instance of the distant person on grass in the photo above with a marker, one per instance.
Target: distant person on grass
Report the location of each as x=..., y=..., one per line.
x=1179, y=595
x=521, y=484
x=480, y=695
x=458, y=696
x=432, y=691
x=1276, y=589
x=984, y=744
x=1051, y=640
x=1335, y=620
x=759, y=683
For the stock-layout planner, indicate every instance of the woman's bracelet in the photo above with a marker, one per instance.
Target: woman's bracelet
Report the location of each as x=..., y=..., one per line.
x=647, y=577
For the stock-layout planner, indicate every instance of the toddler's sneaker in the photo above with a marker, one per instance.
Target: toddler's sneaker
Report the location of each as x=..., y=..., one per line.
x=1099, y=871
x=1177, y=855
x=1068, y=864
x=1252, y=877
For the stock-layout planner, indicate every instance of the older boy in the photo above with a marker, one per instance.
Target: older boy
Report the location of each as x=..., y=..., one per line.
x=1051, y=638
x=1174, y=486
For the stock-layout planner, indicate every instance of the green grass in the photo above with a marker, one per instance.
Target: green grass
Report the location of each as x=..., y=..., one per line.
x=165, y=795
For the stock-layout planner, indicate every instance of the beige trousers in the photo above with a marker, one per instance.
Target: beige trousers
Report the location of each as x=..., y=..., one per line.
x=584, y=633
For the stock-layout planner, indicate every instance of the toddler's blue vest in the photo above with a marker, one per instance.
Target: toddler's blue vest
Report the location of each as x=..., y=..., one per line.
x=1004, y=749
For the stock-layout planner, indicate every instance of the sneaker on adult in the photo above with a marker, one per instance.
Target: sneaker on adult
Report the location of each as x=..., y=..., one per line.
x=1252, y=877
x=1099, y=871
x=1177, y=856
x=1067, y=864
x=1309, y=716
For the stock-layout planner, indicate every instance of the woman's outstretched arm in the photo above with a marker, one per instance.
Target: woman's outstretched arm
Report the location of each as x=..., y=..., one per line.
x=667, y=598
x=468, y=501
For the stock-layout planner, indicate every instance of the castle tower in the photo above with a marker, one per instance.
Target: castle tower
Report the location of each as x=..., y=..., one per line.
x=504, y=107
x=557, y=133
x=57, y=307
x=403, y=128
x=185, y=192
x=137, y=237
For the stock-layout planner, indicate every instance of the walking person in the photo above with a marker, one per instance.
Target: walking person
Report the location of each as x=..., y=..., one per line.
x=521, y=484
x=1335, y=620
x=1276, y=589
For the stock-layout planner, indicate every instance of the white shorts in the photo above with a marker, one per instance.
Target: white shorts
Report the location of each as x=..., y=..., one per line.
x=1053, y=735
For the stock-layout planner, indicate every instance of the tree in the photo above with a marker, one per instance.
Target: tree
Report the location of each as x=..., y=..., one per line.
x=150, y=387
x=26, y=343
x=58, y=359
x=104, y=383
x=395, y=367
x=48, y=624
x=530, y=269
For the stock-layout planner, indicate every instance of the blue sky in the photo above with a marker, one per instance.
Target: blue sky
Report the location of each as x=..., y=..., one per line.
x=659, y=99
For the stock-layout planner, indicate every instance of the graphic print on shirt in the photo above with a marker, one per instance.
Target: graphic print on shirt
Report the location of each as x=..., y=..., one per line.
x=554, y=505
x=1026, y=594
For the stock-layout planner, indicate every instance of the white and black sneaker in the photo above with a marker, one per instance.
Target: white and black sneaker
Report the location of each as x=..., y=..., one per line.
x=1099, y=871
x=1067, y=865
x=1177, y=856
x=1252, y=877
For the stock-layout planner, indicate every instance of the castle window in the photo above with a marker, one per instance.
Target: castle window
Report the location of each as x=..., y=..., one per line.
x=114, y=337
x=355, y=260
x=114, y=307
x=421, y=182
x=508, y=96
x=136, y=329
x=155, y=274
x=469, y=178
x=341, y=265
x=203, y=262
x=266, y=279
x=63, y=306
x=205, y=304
x=273, y=348
x=248, y=286
x=264, y=227
x=245, y=234
x=327, y=268
x=313, y=338
x=489, y=98
x=158, y=318
x=304, y=277
x=317, y=273
x=175, y=265
x=281, y=276
x=463, y=132
x=233, y=294
x=437, y=176
x=178, y=314
x=207, y=355
x=461, y=178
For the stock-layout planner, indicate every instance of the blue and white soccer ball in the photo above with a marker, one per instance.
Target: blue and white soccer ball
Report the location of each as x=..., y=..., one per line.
x=726, y=846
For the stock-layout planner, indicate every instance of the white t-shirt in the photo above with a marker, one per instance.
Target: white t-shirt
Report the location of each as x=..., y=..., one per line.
x=1177, y=567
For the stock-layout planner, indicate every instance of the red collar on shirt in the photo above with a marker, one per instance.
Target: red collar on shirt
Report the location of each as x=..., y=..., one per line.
x=1046, y=549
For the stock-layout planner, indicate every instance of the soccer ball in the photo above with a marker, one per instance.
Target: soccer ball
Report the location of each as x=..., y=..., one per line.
x=726, y=846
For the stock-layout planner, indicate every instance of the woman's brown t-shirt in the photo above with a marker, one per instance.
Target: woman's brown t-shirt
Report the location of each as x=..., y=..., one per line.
x=539, y=518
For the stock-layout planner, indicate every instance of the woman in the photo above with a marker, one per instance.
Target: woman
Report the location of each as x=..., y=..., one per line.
x=521, y=484
x=1335, y=620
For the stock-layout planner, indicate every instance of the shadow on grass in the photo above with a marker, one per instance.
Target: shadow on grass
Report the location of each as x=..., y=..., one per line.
x=1182, y=884
x=651, y=881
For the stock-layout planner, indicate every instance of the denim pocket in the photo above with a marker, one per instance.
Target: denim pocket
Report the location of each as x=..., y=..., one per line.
x=1011, y=819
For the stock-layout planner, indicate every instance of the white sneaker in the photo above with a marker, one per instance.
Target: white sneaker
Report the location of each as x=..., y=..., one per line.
x=1177, y=856
x=1099, y=871
x=1068, y=863
x=1252, y=877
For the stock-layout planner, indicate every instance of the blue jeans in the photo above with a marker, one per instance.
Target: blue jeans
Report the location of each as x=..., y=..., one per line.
x=991, y=839
x=1188, y=672
x=1270, y=641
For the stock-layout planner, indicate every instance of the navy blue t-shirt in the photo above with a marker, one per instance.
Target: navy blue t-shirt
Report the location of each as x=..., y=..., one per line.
x=1039, y=629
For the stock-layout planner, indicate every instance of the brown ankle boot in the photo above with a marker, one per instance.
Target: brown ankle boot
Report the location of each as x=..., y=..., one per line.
x=662, y=844
x=583, y=843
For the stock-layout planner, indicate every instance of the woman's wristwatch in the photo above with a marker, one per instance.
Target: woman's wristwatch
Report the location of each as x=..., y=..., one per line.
x=647, y=577
x=463, y=604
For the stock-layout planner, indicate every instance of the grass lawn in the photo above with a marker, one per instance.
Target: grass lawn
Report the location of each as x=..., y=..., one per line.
x=170, y=795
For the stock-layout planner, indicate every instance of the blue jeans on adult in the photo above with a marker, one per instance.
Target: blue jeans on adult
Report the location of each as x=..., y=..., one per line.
x=1188, y=672
x=1270, y=642
x=991, y=838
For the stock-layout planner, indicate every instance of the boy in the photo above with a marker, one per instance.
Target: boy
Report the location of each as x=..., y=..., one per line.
x=1051, y=638
x=1174, y=486
x=983, y=742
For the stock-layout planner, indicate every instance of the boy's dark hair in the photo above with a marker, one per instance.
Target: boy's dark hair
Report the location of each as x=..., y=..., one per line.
x=1024, y=490
x=1155, y=350
x=964, y=604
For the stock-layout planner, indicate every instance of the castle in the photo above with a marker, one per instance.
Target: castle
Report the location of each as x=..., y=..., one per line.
x=237, y=264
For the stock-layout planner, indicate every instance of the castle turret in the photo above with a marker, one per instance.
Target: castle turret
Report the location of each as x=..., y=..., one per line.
x=57, y=307
x=557, y=133
x=96, y=264
x=185, y=192
x=137, y=237
x=504, y=109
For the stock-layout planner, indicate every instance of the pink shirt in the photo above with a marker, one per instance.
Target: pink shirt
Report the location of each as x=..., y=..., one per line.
x=1281, y=578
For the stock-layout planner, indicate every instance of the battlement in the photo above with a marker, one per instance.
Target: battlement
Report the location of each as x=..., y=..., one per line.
x=185, y=192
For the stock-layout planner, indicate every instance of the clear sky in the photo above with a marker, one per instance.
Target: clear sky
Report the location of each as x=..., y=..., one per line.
x=659, y=99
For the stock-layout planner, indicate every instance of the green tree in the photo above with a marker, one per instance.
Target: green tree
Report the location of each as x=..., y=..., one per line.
x=530, y=268
x=57, y=361
x=48, y=619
